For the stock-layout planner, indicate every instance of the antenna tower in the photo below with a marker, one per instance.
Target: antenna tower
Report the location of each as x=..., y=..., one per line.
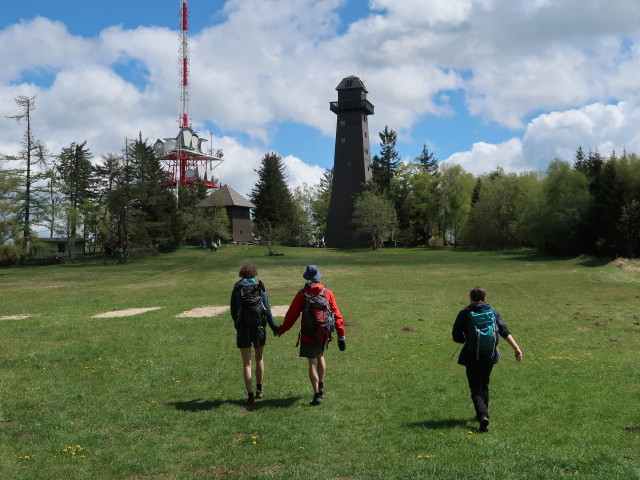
x=184, y=157
x=184, y=70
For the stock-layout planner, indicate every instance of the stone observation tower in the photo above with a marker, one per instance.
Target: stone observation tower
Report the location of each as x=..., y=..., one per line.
x=352, y=159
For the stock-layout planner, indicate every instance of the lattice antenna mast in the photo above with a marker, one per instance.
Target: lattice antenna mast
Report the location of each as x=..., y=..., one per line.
x=184, y=73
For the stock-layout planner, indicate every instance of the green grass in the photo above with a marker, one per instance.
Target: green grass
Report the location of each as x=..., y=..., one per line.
x=155, y=396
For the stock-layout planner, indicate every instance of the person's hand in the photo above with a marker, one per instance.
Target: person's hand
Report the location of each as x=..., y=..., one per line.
x=276, y=331
x=342, y=343
x=518, y=355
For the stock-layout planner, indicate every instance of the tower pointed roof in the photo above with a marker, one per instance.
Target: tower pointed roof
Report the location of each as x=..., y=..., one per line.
x=351, y=82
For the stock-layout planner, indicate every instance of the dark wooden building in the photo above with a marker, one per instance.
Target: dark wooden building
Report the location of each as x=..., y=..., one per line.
x=352, y=159
x=238, y=210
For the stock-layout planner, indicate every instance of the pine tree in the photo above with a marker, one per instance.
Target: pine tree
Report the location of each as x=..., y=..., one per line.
x=428, y=161
x=76, y=175
x=271, y=196
x=384, y=165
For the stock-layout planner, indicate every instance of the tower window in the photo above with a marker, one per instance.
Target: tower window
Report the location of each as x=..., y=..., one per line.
x=342, y=123
x=343, y=140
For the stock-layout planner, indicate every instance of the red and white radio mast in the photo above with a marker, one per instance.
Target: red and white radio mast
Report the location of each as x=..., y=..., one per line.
x=183, y=155
x=184, y=73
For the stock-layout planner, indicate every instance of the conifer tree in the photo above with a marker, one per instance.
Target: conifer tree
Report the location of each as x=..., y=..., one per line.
x=384, y=165
x=272, y=197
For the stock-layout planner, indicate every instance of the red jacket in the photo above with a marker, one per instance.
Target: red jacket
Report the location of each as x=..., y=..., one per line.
x=298, y=304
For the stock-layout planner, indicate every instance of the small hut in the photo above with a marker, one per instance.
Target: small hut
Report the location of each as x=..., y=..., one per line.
x=59, y=248
x=238, y=210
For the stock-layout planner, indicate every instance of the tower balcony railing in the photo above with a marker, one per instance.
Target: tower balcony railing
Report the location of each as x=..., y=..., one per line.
x=344, y=105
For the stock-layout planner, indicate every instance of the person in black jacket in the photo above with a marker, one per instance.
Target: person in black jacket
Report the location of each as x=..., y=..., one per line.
x=254, y=335
x=479, y=366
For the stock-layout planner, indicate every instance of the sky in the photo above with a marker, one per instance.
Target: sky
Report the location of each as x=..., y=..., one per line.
x=482, y=83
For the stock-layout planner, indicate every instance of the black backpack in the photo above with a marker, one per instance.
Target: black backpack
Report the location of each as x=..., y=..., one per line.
x=252, y=310
x=317, y=318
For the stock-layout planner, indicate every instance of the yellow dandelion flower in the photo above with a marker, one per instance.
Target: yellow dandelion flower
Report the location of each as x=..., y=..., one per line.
x=253, y=442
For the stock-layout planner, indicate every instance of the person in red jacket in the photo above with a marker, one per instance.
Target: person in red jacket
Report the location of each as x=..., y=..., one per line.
x=313, y=348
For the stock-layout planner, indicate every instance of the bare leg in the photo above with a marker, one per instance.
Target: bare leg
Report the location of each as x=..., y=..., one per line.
x=246, y=368
x=322, y=368
x=313, y=373
x=259, y=365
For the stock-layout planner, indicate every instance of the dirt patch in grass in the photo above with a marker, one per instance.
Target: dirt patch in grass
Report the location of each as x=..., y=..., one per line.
x=125, y=313
x=628, y=264
x=409, y=329
x=351, y=324
x=201, y=312
x=279, y=310
x=15, y=317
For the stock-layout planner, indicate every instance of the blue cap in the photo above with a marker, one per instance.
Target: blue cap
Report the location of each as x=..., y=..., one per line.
x=311, y=273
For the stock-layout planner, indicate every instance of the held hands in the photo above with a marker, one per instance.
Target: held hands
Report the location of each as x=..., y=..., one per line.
x=342, y=343
x=276, y=331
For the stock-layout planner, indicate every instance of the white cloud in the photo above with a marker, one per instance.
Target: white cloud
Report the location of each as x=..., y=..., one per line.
x=264, y=64
x=605, y=128
x=485, y=157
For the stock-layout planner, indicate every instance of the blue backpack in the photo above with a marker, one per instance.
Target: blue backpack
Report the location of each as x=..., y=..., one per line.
x=482, y=334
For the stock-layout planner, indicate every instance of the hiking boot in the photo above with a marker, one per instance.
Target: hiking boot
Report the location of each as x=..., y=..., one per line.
x=260, y=393
x=251, y=400
x=484, y=423
x=321, y=393
x=315, y=401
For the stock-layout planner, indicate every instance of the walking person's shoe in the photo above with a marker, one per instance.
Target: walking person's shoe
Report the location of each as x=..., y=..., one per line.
x=316, y=400
x=484, y=423
x=251, y=400
x=260, y=393
x=321, y=393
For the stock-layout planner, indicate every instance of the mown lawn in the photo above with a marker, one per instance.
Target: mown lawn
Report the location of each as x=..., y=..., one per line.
x=158, y=396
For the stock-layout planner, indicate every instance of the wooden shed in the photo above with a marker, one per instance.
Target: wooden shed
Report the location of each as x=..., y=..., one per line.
x=238, y=210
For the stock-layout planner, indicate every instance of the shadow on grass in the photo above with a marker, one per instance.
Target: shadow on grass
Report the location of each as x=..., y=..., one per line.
x=440, y=424
x=199, y=404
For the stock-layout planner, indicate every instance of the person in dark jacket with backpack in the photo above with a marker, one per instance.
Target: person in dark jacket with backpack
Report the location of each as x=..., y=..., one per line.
x=312, y=346
x=477, y=359
x=251, y=312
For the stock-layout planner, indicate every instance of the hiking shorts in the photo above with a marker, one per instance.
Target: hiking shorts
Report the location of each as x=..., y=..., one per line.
x=312, y=350
x=256, y=336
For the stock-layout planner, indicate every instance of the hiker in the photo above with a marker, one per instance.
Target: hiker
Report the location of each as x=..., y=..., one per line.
x=251, y=312
x=314, y=339
x=478, y=327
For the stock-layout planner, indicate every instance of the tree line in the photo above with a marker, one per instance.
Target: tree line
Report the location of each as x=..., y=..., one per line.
x=590, y=206
x=121, y=203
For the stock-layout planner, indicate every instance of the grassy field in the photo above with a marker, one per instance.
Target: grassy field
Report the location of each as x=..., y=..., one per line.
x=160, y=396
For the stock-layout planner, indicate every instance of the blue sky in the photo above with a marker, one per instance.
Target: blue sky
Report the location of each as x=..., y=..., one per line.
x=482, y=83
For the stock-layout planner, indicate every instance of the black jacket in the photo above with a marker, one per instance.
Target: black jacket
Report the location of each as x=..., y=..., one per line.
x=467, y=356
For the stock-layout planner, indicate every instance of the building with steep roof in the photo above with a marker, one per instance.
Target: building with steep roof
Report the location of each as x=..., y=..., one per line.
x=238, y=210
x=352, y=159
